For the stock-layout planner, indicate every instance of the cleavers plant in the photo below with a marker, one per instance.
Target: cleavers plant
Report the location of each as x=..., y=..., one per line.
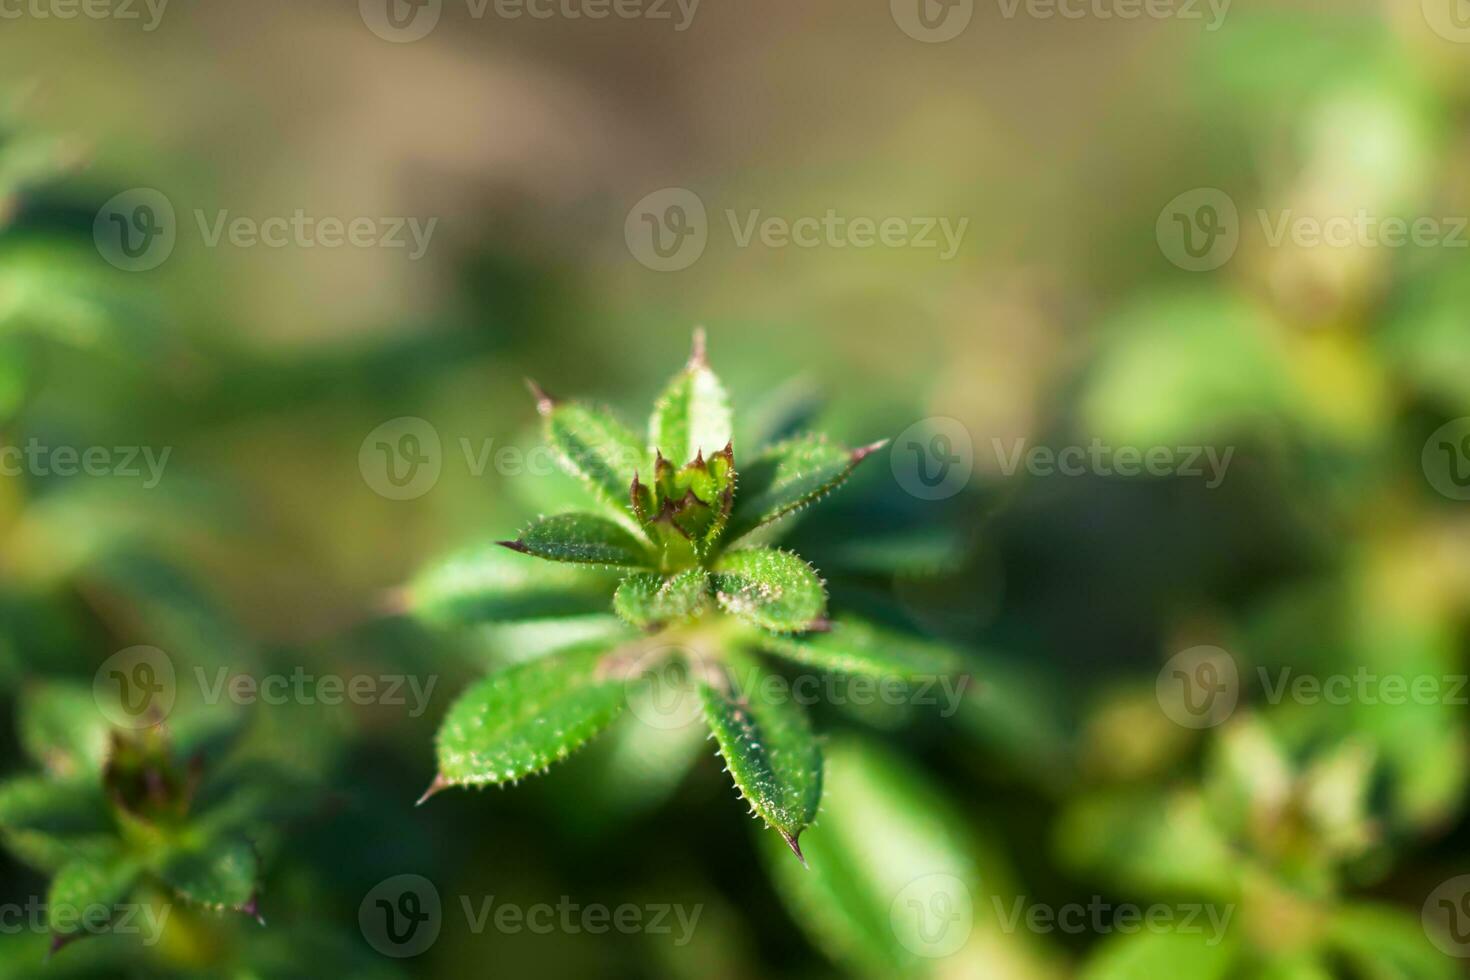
x=681, y=539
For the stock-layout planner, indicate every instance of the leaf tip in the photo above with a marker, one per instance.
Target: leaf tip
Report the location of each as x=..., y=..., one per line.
x=790, y=840
x=439, y=784
x=515, y=546
x=544, y=402
x=698, y=355
x=863, y=452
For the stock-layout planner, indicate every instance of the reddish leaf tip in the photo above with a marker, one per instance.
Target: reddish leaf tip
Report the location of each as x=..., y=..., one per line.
x=795, y=847
x=439, y=784
x=514, y=546
x=544, y=402
x=698, y=357
x=863, y=452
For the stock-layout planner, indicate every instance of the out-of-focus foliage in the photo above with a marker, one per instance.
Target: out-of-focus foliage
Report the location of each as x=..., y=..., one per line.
x=962, y=833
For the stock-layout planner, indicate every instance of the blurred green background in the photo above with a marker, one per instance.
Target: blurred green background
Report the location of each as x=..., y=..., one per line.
x=1336, y=543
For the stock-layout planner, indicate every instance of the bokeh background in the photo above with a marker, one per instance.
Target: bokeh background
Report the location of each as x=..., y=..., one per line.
x=1335, y=543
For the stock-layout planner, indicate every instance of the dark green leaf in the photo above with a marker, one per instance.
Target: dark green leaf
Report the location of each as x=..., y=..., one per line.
x=692, y=416
x=584, y=539
x=217, y=874
x=789, y=476
x=85, y=892
x=767, y=744
x=773, y=589
x=485, y=584
x=647, y=599
x=521, y=720
x=49, y=823
x=593, y=446
x=62, y=729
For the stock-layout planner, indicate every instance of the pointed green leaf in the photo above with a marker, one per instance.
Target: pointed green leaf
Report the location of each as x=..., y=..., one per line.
x=773, y=589
x=49, y=823
x=1196, y=955
x=896, y=876
x=521, y=720
x=855, y=646
x=62, y=729
x=1384, y=941
x=647, y=599
x=767, y=744
x=584, y=539
x=85, y=892
x=217, y=874
x=692, y=416
x=485, y=584
x=789, y=476
x=592, y=445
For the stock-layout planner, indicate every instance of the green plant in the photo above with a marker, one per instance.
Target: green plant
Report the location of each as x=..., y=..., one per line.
x=686, y=552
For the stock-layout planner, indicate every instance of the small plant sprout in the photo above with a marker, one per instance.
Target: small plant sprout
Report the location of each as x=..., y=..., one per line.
x=680, y=546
